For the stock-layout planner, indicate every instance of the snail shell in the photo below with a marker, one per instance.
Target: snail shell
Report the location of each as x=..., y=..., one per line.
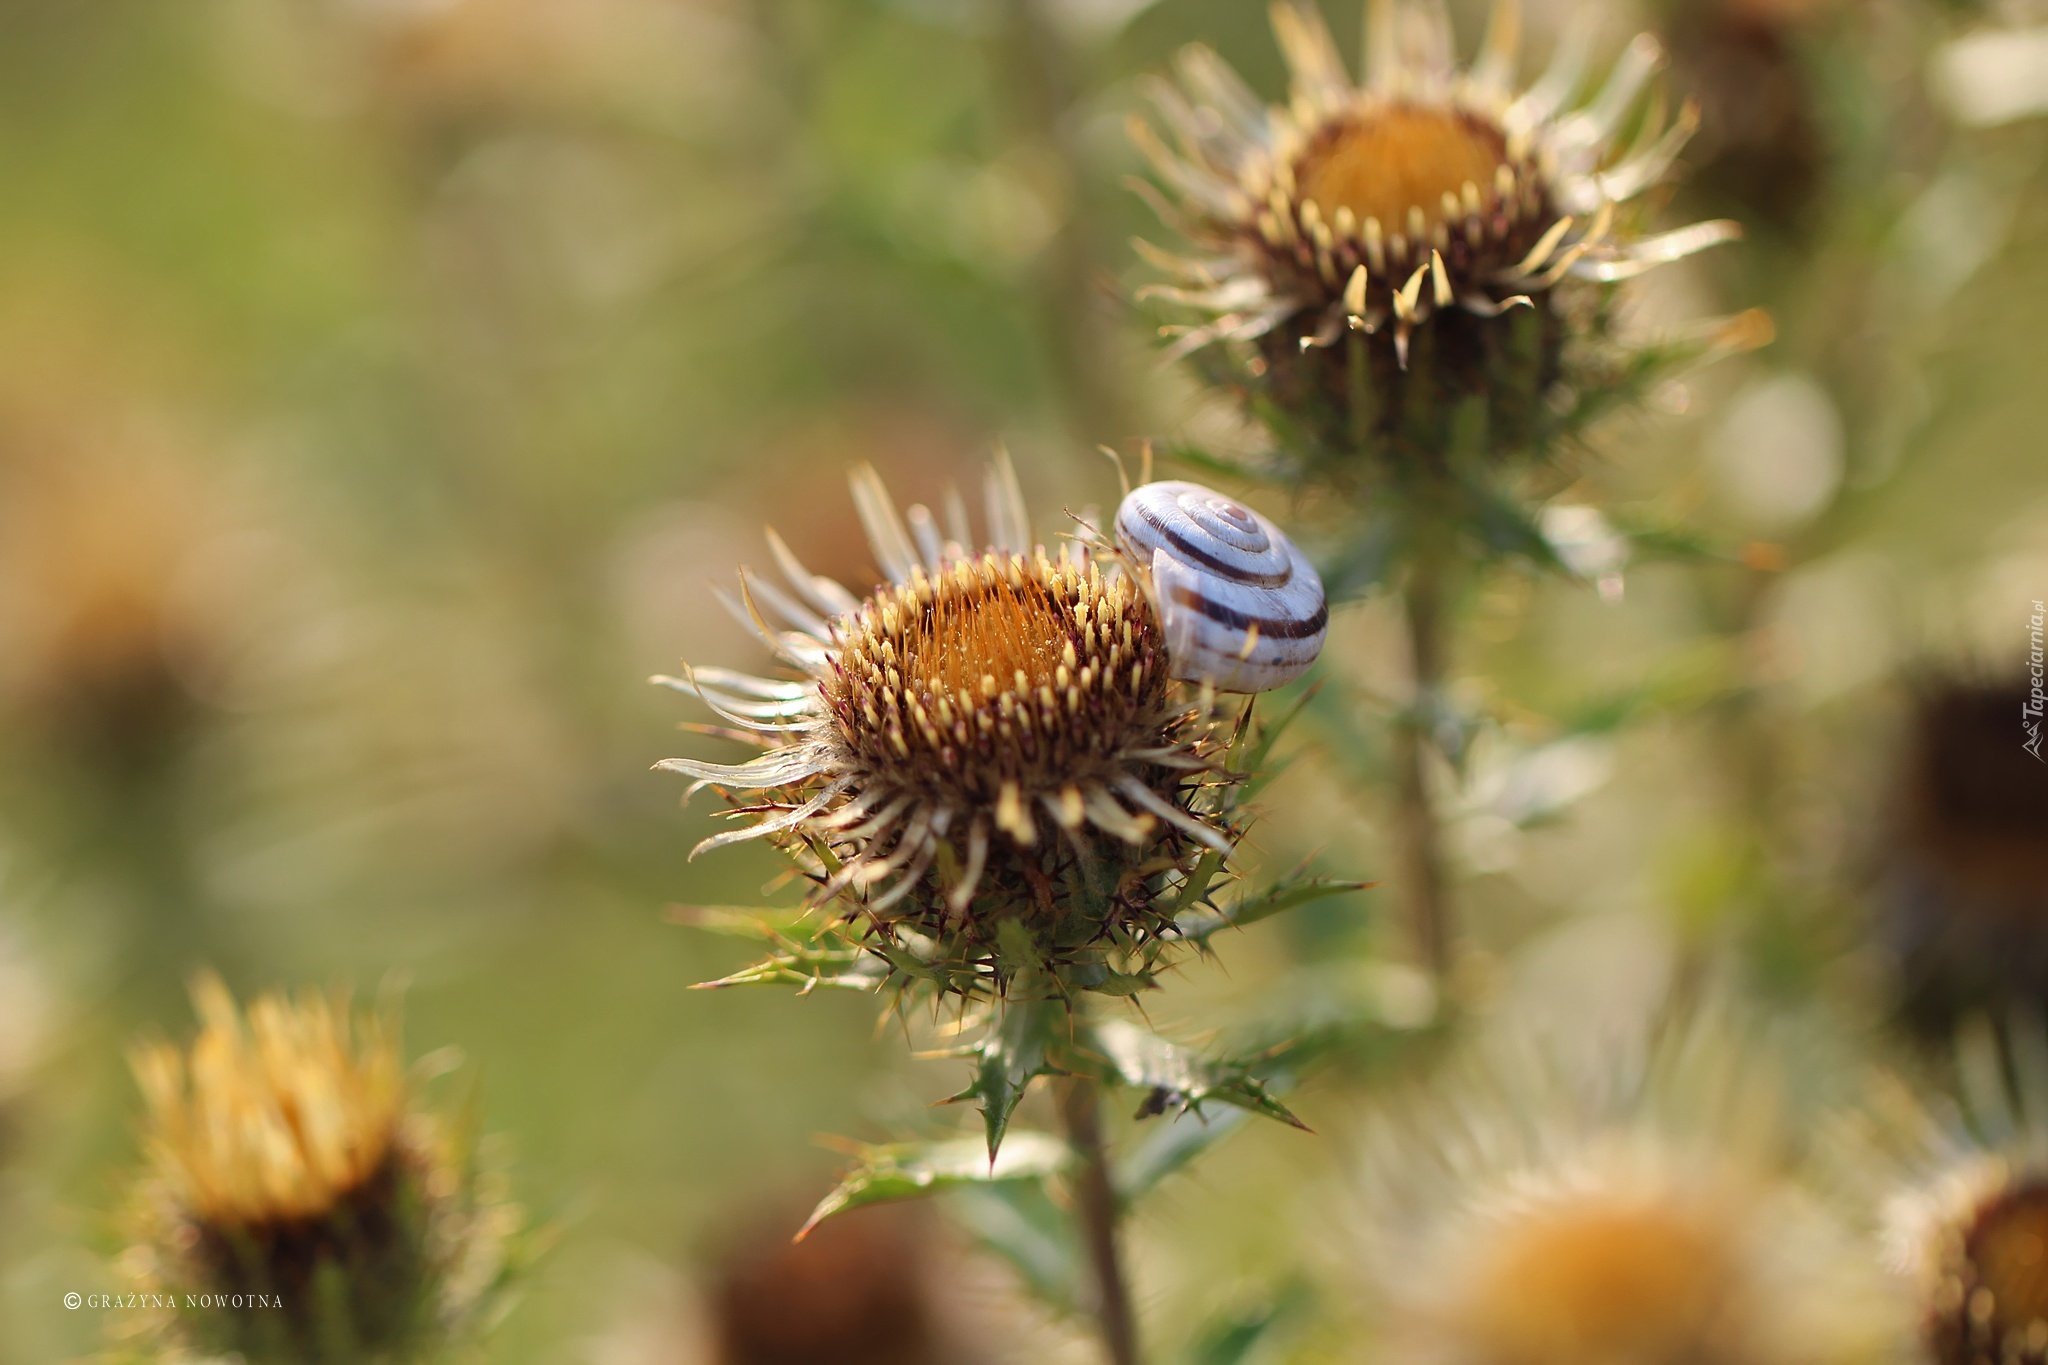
x=1240, y=605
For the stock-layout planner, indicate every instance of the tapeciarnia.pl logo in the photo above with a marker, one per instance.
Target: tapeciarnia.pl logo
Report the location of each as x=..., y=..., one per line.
x=2037, y=697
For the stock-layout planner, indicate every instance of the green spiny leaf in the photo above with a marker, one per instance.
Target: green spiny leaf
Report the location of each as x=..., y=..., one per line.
x=1171, y=1147
x=1256, y=762
x=1232, y=1336
x=1504, y=525
x=1208, y=463
x=752, y=921
x=1196, y=887
x=1201, y=922
x=1023, y=959
x=1178, y=1078
x=809, y=967
x=912, y=1170
x=1122, y=984
x=1010, y=1057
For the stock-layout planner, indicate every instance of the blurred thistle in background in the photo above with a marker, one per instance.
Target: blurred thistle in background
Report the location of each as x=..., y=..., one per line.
x=1633, y=1199
x=1963, y=889
x=864, y=1290
x=1759, y=149
x=888, y=1285
x=99, y=531
x=1957, y=1191
x=1438, y=224
x=299, y=1195
x=1412, y=285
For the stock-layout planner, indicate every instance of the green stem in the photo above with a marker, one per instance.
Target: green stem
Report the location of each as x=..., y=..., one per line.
x=1100, y=1212
x=1419, y=827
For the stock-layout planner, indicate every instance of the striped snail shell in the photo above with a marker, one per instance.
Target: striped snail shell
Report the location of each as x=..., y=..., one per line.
x=1240, y=605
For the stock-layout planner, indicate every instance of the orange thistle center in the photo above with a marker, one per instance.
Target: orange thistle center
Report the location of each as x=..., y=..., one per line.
x=1608, y=1280
x=1001, y=678
x=1380, y=163
x=2004, y=1279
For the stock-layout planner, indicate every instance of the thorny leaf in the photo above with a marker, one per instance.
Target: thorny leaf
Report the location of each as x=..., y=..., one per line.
x=1256, y=762
x=1177, y=1078
x=912, y=1170
x=750, y=921
x=830, y=959
x=1232, y=1336
x=1171, y=1147
x=1123, y=984
x=1199, y=923
x=1011, y=1056
x=1196, y=888
x=1208, y=463
x=1653, y=541
x=1504, y=525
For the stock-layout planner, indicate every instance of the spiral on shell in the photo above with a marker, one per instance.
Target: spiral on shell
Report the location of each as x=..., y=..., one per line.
x=1240, y=605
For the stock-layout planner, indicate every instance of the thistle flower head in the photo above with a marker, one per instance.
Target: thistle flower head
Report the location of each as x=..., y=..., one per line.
x=274, y=1119
x=992, y=738
x=1533, y=1216
x=1965, y=1225
x=97, y=530
x=1443, y=225
x=287, y=1171
x=870, y=1289
x=1963, y=900
x=1991, y=1299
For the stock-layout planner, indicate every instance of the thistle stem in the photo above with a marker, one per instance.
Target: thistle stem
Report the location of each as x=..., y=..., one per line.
x=1420, y=830
x=1100, y=1211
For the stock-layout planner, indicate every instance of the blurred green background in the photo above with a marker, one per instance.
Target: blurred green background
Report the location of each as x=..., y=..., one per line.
x=385, y=385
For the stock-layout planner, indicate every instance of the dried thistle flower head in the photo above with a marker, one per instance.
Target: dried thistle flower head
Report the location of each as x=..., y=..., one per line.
x=296, y=1208
x=1651, y=1272
x=97, y=531
x=1963, y=1196
x=1992, y=1298
x=1447, y=229
x=871, y=1289
x=1537, y=1213
x=1966, y=1222
x=986, y=763
x=1762, y=150
x=1964, y=892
